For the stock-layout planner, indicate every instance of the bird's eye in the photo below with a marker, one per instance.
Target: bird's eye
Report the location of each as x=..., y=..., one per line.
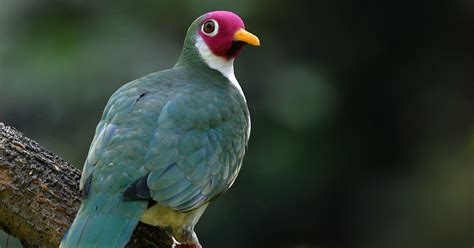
x=210, y=27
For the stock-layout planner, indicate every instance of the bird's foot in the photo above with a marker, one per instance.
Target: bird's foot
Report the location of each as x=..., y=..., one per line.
x=187, y=237
x=189, y=244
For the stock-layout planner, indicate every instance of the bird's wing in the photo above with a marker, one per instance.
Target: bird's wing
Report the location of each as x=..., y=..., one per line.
x=111, y=133
x=196, y=152
x=114, y=162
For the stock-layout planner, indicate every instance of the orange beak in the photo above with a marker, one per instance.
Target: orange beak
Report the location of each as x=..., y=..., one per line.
x=247, y=37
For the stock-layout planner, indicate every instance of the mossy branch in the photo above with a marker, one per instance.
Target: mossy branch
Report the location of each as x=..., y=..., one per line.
x=39, y=195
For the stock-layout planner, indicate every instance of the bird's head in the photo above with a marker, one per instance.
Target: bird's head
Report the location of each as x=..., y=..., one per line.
x=219, y=34
x=224, y=33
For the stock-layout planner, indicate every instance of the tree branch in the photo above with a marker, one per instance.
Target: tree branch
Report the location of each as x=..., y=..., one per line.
x=39, y=195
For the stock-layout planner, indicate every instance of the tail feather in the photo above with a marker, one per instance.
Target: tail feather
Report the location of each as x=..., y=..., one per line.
x=103, y=220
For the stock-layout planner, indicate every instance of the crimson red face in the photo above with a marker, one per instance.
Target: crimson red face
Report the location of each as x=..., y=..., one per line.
x=224, y=33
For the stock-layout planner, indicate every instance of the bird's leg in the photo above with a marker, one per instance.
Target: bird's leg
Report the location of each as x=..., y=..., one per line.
x=187, y=238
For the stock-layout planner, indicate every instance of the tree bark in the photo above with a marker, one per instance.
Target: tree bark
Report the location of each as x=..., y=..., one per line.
x=39, y=195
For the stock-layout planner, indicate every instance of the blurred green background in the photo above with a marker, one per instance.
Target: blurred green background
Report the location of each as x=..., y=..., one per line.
x=362, y=111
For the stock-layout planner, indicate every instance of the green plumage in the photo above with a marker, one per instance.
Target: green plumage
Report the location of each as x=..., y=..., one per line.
x=184, y=128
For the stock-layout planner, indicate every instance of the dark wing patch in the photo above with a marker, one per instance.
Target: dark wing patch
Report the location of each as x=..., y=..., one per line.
x=138, y=190
x=87, y=187
x=138, y=99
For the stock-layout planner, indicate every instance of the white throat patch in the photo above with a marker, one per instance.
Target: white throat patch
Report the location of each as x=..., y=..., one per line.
x=226, y=67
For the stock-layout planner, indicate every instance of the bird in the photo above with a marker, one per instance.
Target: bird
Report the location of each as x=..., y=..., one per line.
x=168, y=143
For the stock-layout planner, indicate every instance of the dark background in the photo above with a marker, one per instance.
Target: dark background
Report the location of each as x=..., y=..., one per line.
x=362, y=111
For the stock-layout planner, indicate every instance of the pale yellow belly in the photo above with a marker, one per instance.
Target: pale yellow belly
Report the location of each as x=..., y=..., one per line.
x=166, y=217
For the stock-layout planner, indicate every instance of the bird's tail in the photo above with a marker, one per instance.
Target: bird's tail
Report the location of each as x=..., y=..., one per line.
x=104, y=220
